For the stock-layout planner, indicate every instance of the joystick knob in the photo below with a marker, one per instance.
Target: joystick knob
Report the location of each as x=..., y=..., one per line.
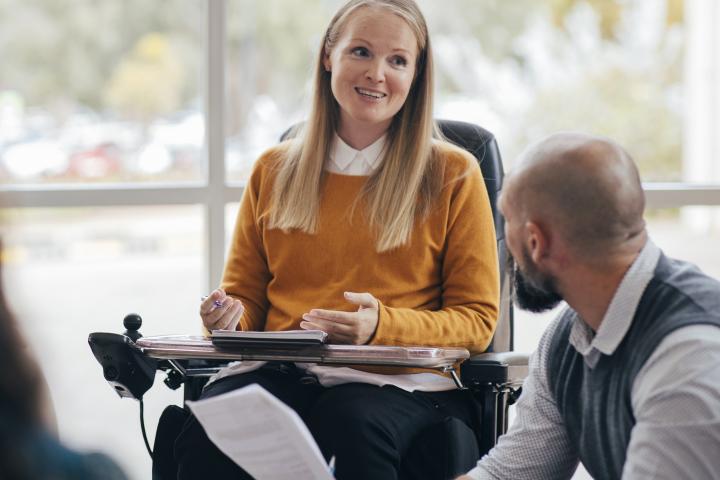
x=132, y=322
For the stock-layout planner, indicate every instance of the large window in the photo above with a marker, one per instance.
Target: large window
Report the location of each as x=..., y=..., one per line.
x=101, y=92
x=128, y=128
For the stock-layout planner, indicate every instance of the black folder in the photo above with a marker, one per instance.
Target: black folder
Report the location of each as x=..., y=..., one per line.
x=285, y=339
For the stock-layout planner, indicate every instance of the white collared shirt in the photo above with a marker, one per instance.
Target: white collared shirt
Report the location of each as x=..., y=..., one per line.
x=617, y=319
x=675, y=400
x=346, y=160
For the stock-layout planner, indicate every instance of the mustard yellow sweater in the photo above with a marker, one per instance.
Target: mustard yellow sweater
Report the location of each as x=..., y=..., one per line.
x=441, y=289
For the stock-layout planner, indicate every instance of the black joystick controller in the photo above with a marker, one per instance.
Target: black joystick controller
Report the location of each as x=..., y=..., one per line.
x=126, y=368
x=132, y=322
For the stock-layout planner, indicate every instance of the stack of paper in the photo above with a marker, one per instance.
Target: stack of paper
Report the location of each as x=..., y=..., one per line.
x=264, y=436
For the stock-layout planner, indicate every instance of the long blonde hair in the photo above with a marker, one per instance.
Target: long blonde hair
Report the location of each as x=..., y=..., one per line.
x=404, y=186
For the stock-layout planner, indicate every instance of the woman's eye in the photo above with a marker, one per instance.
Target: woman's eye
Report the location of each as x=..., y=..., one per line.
x=398, y=61
x=359, y=52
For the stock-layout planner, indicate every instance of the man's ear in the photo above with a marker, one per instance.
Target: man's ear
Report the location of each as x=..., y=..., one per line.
x=537, y=242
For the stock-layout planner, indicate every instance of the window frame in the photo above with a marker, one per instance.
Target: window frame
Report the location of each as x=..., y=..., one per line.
x=216, y=192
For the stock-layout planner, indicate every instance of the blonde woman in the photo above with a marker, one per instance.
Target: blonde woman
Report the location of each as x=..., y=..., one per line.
x=368, y=228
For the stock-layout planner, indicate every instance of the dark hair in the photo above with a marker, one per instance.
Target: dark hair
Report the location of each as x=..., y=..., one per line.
x=19, y=374
x=20, y=396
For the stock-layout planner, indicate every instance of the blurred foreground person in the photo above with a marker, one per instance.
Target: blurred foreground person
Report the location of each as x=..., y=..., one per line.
x=28, y=449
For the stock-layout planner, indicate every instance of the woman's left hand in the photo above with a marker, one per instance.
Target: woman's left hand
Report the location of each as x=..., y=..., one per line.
x=346, y=327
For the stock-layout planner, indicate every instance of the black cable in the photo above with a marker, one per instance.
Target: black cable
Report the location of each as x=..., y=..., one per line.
x=142, y=427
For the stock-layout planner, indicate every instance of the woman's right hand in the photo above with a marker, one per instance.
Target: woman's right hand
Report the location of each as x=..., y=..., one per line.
x=221, y=312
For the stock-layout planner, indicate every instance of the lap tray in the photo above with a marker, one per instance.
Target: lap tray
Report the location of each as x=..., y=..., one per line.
x=173, y=347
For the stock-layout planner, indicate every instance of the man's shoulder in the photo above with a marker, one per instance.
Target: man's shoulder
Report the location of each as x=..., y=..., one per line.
x=557, y=333
x=563, y=322
x=683, y=274
x=676, y=279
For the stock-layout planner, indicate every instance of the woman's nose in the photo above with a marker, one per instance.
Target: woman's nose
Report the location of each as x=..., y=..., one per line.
x=376, y=71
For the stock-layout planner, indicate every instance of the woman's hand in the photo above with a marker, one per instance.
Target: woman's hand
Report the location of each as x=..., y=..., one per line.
x=346, y=327
x=220, y=312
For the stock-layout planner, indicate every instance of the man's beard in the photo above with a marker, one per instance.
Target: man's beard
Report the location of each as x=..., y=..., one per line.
x=534, y=291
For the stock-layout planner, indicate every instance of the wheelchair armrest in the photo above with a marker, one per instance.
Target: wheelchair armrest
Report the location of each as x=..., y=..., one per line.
x=495, y=380
x=495, y=368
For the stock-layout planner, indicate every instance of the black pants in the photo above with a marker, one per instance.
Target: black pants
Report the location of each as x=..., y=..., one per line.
x=367, y=428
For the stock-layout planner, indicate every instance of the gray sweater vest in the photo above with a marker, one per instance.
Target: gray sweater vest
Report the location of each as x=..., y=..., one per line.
x=595, y=403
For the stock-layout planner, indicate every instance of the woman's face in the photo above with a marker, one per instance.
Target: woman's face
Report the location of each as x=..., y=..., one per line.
x=372, y=68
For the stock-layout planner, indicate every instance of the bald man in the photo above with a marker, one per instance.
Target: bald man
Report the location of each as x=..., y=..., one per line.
x=627, y=379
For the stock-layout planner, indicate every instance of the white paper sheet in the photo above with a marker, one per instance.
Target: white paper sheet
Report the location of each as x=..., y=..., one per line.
x=261, y=434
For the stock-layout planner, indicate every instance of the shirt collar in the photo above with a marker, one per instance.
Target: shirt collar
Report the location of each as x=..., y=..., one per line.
x=343, y=154
x=620, y=312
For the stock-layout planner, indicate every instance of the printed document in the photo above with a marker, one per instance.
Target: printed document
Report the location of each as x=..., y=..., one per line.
x=260, y=433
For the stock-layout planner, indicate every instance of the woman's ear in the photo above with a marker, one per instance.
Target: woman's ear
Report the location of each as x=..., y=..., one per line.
x=326, y=62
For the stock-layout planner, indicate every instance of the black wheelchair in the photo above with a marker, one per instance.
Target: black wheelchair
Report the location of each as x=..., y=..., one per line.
x=493, y=379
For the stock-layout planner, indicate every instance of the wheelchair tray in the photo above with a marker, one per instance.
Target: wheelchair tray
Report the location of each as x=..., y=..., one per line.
x=178, y=347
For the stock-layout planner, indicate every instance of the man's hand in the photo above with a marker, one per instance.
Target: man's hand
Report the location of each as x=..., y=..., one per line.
x=220, y=312
x=355, y=328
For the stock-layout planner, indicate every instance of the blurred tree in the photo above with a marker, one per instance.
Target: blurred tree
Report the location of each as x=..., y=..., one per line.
x=271, y=50
x=59, y=53
x=610, y=13
x=675, y=12
x=610, y=85
x=148, y=81
x=496, y=23
x=65, y=54
x=628, y=107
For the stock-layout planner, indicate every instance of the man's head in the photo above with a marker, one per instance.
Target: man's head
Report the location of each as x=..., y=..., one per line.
x=572, y=199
